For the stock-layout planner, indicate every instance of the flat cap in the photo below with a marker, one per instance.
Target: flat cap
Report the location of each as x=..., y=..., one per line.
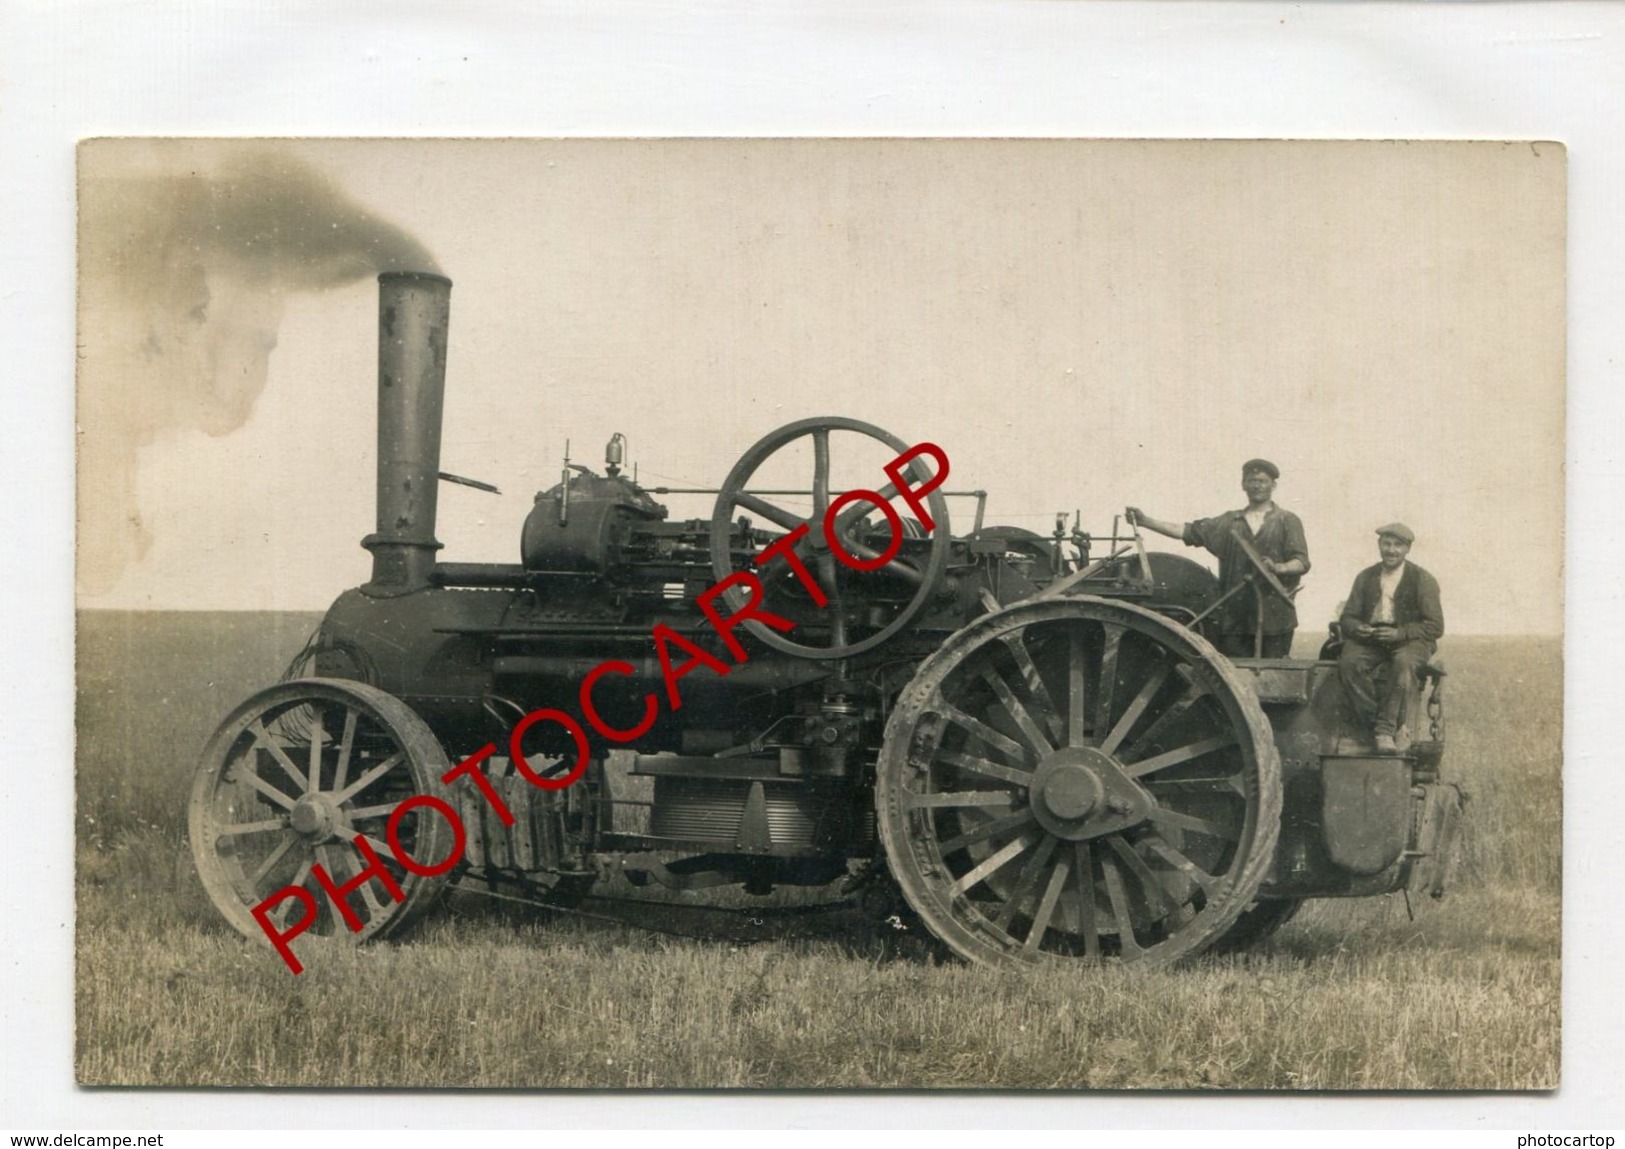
x=1264, y=465
x=1399, y=530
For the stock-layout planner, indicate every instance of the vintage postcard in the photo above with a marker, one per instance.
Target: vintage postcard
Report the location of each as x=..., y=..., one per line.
x=863, y=613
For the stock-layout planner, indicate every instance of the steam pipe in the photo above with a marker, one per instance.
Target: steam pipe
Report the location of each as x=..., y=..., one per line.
x=414, y=310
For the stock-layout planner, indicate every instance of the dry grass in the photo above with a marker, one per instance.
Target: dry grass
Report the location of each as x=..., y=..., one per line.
x=1350, y=995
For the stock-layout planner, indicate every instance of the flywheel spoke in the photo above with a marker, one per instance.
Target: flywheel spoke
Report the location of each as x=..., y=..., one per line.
x=862, y=509
x=820, y=474
x=773, y=513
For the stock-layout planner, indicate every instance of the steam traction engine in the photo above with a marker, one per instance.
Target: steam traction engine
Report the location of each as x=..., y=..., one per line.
x=1037, y=750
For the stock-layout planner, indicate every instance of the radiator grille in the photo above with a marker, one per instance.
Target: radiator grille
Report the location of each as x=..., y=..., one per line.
x=710, y=810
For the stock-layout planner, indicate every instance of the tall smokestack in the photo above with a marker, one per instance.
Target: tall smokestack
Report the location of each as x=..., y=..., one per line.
x=414, y=310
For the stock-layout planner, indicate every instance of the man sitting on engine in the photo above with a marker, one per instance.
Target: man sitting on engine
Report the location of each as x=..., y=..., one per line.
x=1392, y=618
x=1276, y=534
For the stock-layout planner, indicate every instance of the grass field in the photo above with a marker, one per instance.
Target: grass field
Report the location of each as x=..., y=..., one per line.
x=1349, y=995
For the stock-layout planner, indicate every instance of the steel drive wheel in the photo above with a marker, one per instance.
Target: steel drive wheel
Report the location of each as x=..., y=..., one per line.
x=290, y=778
x=1078, y=777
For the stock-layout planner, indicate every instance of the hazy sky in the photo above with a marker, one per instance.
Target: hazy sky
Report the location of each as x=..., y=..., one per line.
x=1079, y=324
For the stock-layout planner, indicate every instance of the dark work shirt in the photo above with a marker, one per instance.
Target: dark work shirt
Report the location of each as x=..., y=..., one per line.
x=1418, y=615
x=1279, y=537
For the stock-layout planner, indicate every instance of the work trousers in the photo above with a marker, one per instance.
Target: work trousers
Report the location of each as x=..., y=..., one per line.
x=1380, y=706
x=1241, y=645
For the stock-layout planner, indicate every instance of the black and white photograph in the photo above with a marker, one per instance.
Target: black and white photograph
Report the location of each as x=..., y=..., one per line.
x=820, y=614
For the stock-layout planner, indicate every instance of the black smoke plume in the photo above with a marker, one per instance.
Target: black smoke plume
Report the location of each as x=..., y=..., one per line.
x=183, y=276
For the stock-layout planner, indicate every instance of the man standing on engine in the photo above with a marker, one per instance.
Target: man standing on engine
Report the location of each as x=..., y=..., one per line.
x=1276, y=535
x=1392, y=617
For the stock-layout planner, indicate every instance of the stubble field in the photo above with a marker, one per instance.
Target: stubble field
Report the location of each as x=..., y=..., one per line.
x=1349, y=995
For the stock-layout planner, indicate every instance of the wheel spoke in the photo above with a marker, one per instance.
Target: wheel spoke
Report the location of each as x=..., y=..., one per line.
x=1036, y=741
x=1007, y=746
x=376, y=907
x=1232, y=784
x=1182, y=754
x=247, y=774
x=1046, y=905
x=1155, y=891
x=1166, y=817
x=978, y=765
x=776, y=515
x=1180, y=862
x=1017, y=646
x=1109, y=651
x=370, y=777
x=989, y=829
x=1118, y=896
x=379, y=811
x=1027, y=884
x=236, y=828
x=262, y=737
x=382, y=850
x=1164, y=721
x=318, y=735
x=1130, y=716
x=1075, y=734
x=992, y=865
x=1085, y=853
x=285, y=907
x=1003, y=798
x=346, y=745
x=272, y=859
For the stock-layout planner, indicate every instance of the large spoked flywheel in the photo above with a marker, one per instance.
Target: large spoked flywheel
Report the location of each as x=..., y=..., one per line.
x=1081, y=778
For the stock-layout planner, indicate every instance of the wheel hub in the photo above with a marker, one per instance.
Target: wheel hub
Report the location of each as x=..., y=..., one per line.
x=1079, y=792
x=317, y=818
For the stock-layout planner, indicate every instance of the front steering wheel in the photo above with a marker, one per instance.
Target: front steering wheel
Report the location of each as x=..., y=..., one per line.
x=848, y=590
x=1270, y=578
